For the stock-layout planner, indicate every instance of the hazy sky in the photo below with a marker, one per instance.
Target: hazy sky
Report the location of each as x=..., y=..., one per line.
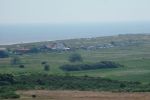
x=73, y=11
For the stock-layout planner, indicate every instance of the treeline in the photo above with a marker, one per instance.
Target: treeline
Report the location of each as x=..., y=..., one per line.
x=93, y=66
x=4, y=54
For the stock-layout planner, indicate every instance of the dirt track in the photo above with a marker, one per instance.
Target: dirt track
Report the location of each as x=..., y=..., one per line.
x=80, y=95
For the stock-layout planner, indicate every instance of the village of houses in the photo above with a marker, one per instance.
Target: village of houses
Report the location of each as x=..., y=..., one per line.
x=60, y=46
x=19, y=49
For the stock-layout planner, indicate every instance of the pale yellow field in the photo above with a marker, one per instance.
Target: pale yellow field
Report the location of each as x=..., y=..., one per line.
x=80, y=95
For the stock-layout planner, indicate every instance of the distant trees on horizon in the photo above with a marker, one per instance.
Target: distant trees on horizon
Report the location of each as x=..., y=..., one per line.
x=4, y=54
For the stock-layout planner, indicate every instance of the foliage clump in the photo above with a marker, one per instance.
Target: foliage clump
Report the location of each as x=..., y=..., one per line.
x=93, y=66
x=4, y=54
x=66, y=82
x=21, y=66
x=46, y=67
x=75, y=57
x=9, y=95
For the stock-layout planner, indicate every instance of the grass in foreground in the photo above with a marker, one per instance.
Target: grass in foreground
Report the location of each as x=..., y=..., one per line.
x=9, y=84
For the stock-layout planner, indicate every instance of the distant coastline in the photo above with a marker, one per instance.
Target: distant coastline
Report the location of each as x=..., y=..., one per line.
x=14, y=34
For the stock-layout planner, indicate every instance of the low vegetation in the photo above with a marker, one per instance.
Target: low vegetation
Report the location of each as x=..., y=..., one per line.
x=75, y=57
x=124, y=67
x=6, y=91
x=10, y=83
x=46, y=67
x=93, y=66
x=9, y=94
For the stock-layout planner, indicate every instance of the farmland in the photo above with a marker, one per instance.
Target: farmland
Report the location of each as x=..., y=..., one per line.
x=135, y=59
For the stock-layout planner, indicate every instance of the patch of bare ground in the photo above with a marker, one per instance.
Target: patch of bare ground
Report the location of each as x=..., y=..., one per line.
x=80, y=95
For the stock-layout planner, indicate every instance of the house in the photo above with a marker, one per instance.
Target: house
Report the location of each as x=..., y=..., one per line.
x=49, y=46
x=3, y=49
x=57, y=46
x=22, y=50
x=3, y=53
x=91, y=48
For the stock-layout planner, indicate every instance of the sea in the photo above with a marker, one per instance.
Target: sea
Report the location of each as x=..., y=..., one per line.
x=25, y=33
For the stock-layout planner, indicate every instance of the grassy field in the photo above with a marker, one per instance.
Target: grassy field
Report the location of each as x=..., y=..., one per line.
x=136, y=63
x=136, y=60
x=132, y=77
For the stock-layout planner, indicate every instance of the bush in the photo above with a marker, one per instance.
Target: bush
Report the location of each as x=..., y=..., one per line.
x=43, y=62
x=2, y=83
x=99, y=65
x=75, y=58
x=78, y=83
x=69, y=82
x=33, y=96
x=122, y=85
x=6, y=79
x=9, y=95
x=46, y=67
x=21, y=66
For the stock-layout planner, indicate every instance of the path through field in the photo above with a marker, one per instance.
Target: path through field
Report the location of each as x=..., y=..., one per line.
x=80, y=95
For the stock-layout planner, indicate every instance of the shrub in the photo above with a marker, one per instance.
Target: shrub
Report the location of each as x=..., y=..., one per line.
x=33, y=96
x=43, y=62
x=78, y=83
x=21, y=66
x=75, y=57
x=2, y=83
x=9, y=95
x=122, y=85
x=45, y=81
x=46, y=67
x=6, y=79
x=99, y=65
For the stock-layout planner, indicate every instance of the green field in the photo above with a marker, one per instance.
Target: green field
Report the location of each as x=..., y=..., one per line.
x=131, y=51
x=135, y=59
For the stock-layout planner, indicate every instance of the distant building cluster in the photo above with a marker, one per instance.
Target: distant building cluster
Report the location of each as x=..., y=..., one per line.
x=47, y=47
x=57, y=46
x=98, y=46
x=60, y=46
x=3, y=49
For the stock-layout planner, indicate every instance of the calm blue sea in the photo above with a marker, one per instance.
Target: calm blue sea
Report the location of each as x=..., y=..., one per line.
x=22, y=33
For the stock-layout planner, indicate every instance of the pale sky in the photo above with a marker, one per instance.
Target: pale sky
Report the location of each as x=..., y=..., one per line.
x=73, y=11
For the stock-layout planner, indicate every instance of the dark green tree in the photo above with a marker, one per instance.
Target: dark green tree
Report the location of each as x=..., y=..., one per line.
x=46, y=67
x=21, y=66
x=4, y=54
x=43, y=62
x=75, y=57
